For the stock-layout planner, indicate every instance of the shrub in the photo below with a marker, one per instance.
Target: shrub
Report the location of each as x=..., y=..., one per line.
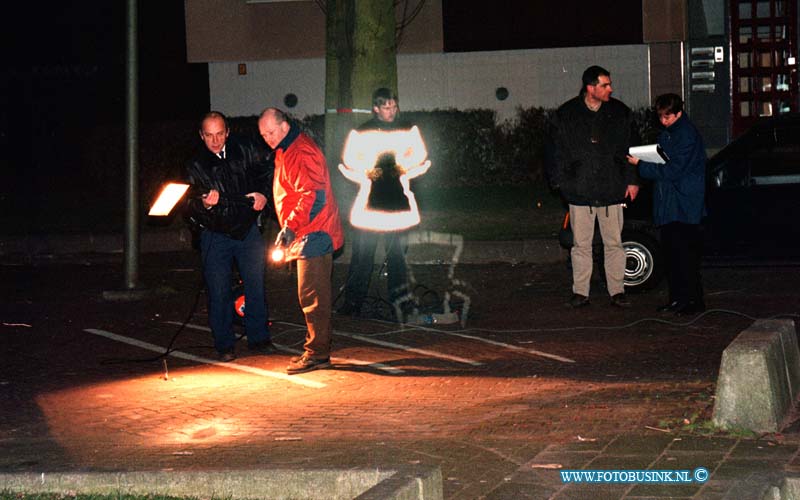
x=466, y=148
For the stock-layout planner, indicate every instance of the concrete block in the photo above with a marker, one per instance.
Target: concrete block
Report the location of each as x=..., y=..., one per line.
x=759, y=377
x=773, y=486
x=413, y=483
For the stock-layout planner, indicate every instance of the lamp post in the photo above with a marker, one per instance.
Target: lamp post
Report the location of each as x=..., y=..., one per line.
x=131, y=240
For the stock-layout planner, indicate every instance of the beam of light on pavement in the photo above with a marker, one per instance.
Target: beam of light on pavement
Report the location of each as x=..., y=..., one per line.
x=334, y=359
x=199, y=359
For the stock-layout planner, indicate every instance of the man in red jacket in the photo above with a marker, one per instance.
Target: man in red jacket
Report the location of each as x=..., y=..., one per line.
x=311, y=229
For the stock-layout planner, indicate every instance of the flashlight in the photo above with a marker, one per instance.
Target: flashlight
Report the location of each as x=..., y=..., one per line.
x=278, y=254
x=284, y=239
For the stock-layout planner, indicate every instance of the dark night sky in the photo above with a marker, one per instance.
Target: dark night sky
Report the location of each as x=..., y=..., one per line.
x=63, y=80
x=64, y=85
x=81, y=46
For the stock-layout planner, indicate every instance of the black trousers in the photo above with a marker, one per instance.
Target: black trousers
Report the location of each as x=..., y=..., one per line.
x=683, y=246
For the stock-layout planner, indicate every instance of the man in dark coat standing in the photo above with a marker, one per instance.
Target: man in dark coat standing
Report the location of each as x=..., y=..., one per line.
x=230, y=179
x=591, y=134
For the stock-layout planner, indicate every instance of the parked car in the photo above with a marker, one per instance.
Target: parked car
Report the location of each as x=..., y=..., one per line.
x=753, y=203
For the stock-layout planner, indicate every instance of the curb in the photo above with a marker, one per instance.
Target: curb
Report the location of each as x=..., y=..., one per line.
x=366, y=484
x=425, y=247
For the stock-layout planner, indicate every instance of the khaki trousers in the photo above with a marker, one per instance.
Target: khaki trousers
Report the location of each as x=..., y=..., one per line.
x=610, y=221
x=314, y=292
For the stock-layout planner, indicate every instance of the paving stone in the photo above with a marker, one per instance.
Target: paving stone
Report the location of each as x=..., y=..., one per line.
x=766, y=449
x=634, y=444
x=702, y=444
x=484, y=426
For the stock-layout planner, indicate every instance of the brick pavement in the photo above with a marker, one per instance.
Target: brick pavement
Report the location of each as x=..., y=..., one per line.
x=489, y=427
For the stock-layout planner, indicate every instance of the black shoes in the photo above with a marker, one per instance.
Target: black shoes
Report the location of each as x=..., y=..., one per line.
x=683, y=308
x=349, y=309
x=577, y=301
x=669, y=307
x=305, y=363
x=264, y=347
x=227, y=356
x=620, y=300
x=689, y=308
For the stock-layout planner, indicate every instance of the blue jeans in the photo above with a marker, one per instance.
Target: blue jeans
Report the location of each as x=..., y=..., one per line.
x=219, y=253
x=362, y=261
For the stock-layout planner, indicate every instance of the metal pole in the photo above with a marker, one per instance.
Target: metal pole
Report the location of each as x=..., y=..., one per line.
x=131, y=250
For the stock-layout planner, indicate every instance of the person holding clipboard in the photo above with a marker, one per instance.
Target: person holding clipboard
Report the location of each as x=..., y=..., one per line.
x=678, y=172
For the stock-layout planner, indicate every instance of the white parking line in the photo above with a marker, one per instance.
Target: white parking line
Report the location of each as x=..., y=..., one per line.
x=199, y=359
x=397, y=346
x=409, y=349
x=351, y=361
x=512, y=347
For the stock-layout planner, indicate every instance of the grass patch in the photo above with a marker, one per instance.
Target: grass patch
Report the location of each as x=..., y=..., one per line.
x=482, y=213
x=492, y=212
x=9, y=495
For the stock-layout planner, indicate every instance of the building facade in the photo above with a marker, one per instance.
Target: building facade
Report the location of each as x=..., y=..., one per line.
x=734, y=61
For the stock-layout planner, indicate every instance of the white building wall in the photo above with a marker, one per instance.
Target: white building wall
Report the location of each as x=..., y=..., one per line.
x=540, y=77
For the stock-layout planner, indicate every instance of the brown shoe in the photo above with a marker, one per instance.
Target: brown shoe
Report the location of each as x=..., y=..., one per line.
x=305, y=363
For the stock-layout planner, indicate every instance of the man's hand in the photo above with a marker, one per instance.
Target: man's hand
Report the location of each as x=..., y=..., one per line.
x=211, y=198
x=259, y=201
x=285, y=238
x=632, y=191
x=632, y=159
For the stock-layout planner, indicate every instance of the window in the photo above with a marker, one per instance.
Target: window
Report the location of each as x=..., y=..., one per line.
x=784, y=106
x=762, y=9
x=745, y=59
x=765, y=59
x=745, y=10
x=780, y=57
x=782, y=82
x=745, y=84
x=745, y=34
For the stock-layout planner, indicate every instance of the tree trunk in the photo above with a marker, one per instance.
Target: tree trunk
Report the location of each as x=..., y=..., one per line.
x=361, y=56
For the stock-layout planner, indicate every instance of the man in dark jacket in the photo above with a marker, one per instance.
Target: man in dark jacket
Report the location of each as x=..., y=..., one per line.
x=678, y=203
x=230, y=178
x=591, y=135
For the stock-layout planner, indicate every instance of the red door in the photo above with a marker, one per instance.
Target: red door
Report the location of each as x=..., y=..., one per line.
x=764, y=60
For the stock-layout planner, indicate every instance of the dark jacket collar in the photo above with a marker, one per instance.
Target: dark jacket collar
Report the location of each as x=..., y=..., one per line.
x=287, y=141
x=678, y=123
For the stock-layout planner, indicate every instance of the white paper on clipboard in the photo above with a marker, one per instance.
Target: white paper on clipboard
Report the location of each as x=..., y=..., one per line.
x=650, y=152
